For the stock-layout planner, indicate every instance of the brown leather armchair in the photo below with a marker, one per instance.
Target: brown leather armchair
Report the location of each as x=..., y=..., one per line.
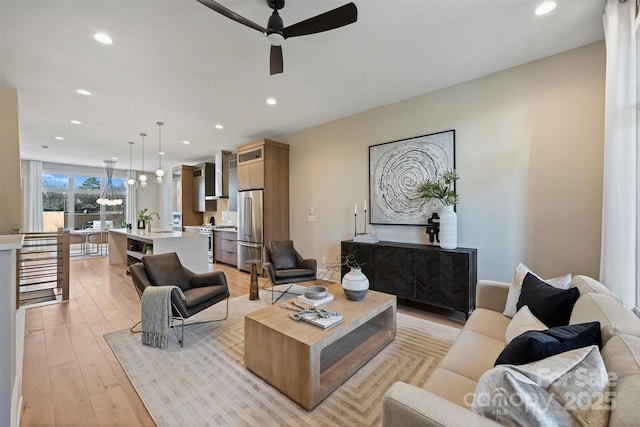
x=201, y=291
x=284, y=265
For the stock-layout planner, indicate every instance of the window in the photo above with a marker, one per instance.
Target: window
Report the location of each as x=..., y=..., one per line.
x=55, y=200
x=70, y=201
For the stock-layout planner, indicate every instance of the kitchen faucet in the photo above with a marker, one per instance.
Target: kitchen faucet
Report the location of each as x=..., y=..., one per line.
x=151, y=218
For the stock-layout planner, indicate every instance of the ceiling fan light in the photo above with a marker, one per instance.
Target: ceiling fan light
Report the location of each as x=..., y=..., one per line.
x=275, y=39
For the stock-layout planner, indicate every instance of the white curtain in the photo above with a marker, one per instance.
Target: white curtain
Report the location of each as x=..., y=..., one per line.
x=619, y=250
x=32, y=215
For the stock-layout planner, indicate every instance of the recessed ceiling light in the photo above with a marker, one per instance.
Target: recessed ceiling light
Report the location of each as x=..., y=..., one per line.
x=114, y=158
x=186, y=142
x=161, y=153
x=103, y=38
x=83, y=92
x=75, y=122
x=219, y=126
x=545, y=8
x=59, y=138
x=271, y=101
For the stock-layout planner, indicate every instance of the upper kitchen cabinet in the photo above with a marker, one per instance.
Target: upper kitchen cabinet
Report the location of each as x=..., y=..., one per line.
x=263, y=164
x=183, y=194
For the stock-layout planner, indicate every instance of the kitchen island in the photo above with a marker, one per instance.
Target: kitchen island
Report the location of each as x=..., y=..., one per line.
x=126, y=247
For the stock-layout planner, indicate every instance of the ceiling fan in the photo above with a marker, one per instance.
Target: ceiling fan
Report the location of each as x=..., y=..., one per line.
x=276, y=32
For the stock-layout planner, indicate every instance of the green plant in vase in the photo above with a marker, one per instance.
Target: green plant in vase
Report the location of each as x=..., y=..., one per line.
x=143, y=218
x=442, y=189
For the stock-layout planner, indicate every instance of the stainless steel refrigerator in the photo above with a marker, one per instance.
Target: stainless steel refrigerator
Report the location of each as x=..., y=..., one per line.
x=250, y=228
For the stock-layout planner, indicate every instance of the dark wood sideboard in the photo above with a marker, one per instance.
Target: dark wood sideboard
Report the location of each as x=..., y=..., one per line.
x=426, y=274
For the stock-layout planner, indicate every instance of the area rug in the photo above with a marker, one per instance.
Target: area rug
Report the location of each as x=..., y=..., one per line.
x=206, y=384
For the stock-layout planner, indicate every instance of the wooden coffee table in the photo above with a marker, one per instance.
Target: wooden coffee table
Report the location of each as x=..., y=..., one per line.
x=307, y=363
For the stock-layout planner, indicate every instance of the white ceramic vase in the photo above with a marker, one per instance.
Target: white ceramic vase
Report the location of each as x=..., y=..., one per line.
x=448, y=228
x=355, y=285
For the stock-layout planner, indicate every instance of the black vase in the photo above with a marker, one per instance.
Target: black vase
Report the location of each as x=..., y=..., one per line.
x=141, y=224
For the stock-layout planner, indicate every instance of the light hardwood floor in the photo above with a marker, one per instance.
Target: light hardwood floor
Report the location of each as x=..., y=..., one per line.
x=70, y=376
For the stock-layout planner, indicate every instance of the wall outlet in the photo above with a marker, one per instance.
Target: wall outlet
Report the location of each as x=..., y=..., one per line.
x=311, y=218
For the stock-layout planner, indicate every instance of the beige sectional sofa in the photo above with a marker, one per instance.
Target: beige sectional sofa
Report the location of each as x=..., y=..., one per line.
x=446, y=398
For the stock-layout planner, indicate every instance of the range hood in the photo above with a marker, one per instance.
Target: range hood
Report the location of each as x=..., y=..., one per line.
x=211, y=182
x=221, y=180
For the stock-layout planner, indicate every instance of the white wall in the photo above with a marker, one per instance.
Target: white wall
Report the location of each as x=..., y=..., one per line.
x=529, y=150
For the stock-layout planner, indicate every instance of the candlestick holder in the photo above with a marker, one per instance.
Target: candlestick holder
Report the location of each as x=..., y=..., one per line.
x=355, y=224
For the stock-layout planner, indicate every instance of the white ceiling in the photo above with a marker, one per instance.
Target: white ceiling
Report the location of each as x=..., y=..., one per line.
x=181, y=63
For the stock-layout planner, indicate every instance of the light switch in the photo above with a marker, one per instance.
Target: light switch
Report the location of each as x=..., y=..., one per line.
x=311, y=218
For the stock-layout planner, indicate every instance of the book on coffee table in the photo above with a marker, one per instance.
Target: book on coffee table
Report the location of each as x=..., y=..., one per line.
x=314, y=302
x=325, y=323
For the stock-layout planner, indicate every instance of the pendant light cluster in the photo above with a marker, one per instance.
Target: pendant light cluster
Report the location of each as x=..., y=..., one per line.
x=109, y=195
x=142, y=178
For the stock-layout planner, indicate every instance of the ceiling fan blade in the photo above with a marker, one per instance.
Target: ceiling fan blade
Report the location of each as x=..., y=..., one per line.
x=232, y=15
x=276, y=62
x=336, y=18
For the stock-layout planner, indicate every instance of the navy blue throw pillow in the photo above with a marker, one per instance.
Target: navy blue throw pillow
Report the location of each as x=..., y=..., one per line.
x=536, y=345
x=551, y=305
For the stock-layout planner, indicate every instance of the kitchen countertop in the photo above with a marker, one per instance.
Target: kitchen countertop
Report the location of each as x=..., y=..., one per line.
x=212, y=227
x=154, y=235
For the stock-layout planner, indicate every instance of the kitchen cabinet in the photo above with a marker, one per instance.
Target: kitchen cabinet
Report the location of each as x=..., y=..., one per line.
x=251, y=168
x=225, y=247
x=422, y=273
x=264, y=165
x=183, y=194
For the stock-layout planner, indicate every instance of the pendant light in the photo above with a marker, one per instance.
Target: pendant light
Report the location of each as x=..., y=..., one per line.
x=109, y=196
x=159, y=172
x=131, y=180
x=143, y=177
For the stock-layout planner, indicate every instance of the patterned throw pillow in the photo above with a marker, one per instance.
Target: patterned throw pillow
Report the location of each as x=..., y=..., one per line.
x=571, y=388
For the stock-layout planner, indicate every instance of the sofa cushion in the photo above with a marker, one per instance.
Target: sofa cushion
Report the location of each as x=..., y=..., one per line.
x=472, y=354
x=522, y=322
x=451, y=386
x=614, y=318
x=621, y=356
x=624, y=402
x=551, y=305
x=537, y=345
x=544, y=392
x=586, y=284
x=488, y=322
x=510, y=308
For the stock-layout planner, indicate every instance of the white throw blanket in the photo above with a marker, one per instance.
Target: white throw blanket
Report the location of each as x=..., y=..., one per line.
x=156, y=314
